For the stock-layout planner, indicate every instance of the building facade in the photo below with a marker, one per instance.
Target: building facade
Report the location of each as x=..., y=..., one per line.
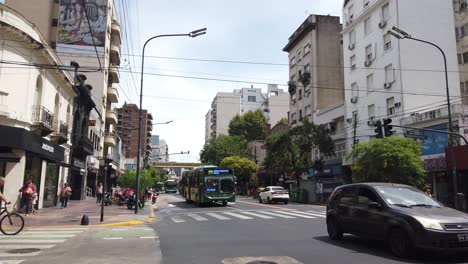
x=69, y=35
x=460, y=8
x=273, y=103
x=36, y=111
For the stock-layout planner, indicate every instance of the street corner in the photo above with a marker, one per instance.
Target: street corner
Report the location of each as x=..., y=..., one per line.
x=126, y=223
x=261, y=260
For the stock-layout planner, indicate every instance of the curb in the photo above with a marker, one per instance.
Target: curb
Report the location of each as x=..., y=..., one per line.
x=128, y=223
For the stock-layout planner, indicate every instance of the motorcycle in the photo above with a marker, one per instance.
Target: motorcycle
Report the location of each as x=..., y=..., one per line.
x=132, y=201
x=154, y=197
x=107, y=199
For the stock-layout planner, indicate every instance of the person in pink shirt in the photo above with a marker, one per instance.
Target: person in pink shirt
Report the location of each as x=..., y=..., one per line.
x=99, y=189
x=65, y=194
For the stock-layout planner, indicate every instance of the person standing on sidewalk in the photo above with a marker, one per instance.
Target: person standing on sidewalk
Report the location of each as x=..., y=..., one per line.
x=99, y=193
x=2, y=198
x=26, y=196
x=65, y=195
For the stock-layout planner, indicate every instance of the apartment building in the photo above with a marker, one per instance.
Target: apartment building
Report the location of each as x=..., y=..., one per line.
x=460, y=8
x=37, y=112
x=127, y=128
x=274, y=103
x=316, y=85
x=401, y=79
x=64, y=25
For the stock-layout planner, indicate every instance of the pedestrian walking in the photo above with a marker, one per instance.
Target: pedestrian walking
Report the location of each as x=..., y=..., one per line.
x=27, y=192
x=99, y=190
x=65, y=195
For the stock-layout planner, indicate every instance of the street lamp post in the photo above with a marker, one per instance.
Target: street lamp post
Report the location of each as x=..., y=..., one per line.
x=400, y=34
x=192, y=34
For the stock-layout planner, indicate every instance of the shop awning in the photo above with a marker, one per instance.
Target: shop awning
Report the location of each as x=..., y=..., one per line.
x=9, y=157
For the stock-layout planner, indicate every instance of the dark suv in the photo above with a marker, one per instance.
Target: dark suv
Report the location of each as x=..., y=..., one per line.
x=398, y=214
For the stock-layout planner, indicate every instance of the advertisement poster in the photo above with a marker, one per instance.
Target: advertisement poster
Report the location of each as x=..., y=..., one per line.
x=74, y=34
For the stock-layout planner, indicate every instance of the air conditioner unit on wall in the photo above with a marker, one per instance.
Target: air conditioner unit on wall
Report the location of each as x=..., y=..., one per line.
x=398, y=104
x=351, y=46
x=367, y=62
x=370, y=123
x=382, y=24
x=354, y=99
x=387, y=85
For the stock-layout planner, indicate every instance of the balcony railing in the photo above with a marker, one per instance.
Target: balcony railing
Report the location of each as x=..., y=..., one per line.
x=43, y=118
x=63, y=129
x=431, y=115
x=61, y=136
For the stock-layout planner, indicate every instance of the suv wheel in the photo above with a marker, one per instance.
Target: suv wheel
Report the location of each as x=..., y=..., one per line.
x=268, y=199
x=399, y=242
x=334, y=229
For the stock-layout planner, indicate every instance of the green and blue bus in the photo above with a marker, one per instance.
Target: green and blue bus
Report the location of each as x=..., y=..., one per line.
x=170, y=186
x=208, y=184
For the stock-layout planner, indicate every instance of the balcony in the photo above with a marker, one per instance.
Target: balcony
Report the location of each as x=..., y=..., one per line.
x=436, y=114
x=148, y=147
x=62, y=136
x=149, y=127
x=85, y=146
x=109, y=139
x=42, y=120
x=148, y=133
x=111, y=117
x=116, y=32
x=150, y=116
x=114, y=75
x=113, y=93
x=115, y=54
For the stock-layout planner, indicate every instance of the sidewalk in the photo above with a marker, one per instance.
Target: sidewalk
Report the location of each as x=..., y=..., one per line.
x=71, y=216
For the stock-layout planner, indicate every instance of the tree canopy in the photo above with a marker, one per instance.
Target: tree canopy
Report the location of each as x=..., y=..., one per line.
x=221, y=147
x=244, y=169
x=148, y=177
x=252, y=125
x=390, y=159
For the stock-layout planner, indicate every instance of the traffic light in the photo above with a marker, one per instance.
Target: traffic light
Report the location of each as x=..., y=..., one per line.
x=387, y=127
x=378, y=129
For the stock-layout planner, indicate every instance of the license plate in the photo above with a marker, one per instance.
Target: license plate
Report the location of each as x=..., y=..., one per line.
x=462, y=237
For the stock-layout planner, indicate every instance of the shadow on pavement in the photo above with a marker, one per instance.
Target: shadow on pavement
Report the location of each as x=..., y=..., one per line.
x=380, y=249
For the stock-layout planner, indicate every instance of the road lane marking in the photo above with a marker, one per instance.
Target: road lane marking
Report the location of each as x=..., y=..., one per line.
x=218, y=216
x=9, y=241
x=25, y=246
x=312, y=214
x=38, y=236
x=299, y=215
x=112, y=238
x=149, y=237
x=177, y=219
x=9, y=255
x=50, y=232
x=278, y=215
x=238, y=215
x=197, y=217
x=258, y=215
x=58, y=229
x=265, y=205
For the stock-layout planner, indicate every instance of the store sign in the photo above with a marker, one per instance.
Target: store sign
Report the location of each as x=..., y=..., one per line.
x=47, y=148
x=79, y=163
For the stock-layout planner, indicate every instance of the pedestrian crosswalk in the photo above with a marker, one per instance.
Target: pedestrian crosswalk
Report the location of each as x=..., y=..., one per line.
x=245, y=215
x=31, y=242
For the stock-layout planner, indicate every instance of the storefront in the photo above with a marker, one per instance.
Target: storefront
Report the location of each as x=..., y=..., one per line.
x=25, y=155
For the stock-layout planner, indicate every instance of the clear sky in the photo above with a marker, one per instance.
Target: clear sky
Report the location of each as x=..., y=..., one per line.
x=240, y=30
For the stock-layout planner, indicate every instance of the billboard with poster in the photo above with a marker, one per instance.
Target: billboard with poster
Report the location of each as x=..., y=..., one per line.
x=74, y=34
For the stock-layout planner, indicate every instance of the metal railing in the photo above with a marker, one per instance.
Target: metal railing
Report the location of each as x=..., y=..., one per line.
x=63, y=129
x=43, y=115
x=89, y=192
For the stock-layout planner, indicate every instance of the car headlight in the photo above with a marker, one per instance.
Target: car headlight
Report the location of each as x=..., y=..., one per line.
x=429, y=223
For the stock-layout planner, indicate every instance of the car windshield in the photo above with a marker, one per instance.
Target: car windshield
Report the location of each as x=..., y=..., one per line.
x=405, y=197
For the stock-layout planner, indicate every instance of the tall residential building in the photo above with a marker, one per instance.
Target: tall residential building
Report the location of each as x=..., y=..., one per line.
x=401, y=79
x=127, y=128
x=460, y=8
x=225, y=106
x=64, y=24
x=162, y=152
x=316, y=85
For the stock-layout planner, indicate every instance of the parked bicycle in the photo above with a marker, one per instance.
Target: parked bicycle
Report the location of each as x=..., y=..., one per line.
x=11, y=223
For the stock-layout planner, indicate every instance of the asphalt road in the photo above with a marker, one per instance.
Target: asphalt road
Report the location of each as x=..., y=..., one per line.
x=247, y=231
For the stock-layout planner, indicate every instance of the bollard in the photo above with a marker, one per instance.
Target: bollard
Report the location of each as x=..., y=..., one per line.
x=85, y=220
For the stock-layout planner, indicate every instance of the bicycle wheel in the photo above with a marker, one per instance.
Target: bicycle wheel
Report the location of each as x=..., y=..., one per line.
x=11, y=224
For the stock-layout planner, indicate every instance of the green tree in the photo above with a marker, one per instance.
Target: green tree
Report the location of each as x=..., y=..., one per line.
x=243, y=168
x=282, y=154
x=221, y=147
x=283, y=121
x=391, y=159
x=128, y=179
x=252, y=125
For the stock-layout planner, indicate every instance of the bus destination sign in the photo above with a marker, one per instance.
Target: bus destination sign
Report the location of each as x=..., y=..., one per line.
x=218, y=172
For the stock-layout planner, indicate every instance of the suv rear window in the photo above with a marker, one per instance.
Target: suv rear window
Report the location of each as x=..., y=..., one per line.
x=277, y=189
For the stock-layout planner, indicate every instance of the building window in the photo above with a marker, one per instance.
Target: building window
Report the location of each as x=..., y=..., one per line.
x=466, y=87
x=370, y=82
x=457, y=34
x=354, y=89
x=369, y=53
x=252, y=98
x=353, y=62
x=352, y=37
x=340, y=150
x=462, y=31
x=307, y=68
x=462, y=87
x=371, y=111
x=293, y=118
x=316, y=154
x=390, y=106
x=300, y=115
x=306, y=49
x=385, y=12
x=389, y=74
x=367, y=25
x=300, y=94
x=307, y=110
x=387, y=41
x=351, y=13
x=459, y=57
x=465, y=57
x=299, y=54
x=293, y=61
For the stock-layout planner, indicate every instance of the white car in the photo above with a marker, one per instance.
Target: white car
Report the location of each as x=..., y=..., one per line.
x=274, y=194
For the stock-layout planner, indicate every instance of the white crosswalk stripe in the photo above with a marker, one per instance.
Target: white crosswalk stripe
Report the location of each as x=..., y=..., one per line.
x=277, y=215
x=295, y=214
x=218, y=216
x=197, y=217
x=323, y=213
x=177, y=219
x=237, y=215
x=258, y=215
x=39, y=239
x=312, y=214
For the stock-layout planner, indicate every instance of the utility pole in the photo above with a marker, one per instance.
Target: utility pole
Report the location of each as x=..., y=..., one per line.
x=355, y=141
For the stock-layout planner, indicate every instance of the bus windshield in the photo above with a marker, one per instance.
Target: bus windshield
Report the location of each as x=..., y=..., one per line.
x=227, y=185
x=211, y=184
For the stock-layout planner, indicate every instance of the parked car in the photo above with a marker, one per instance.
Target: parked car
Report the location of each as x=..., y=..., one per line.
x=401, y=215
x=274, y=194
